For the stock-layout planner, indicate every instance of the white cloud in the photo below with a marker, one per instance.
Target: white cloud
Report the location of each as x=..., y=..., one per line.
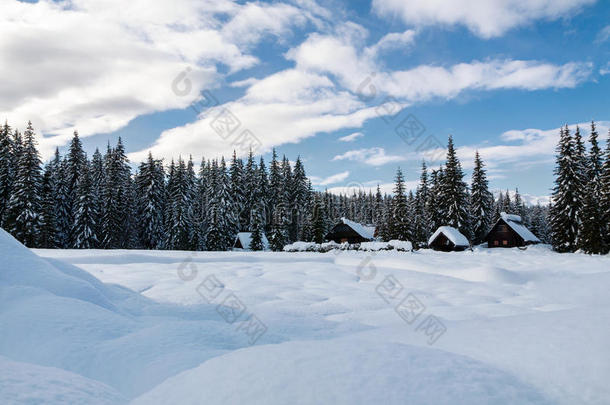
x=370, y=156
x=333, y=179
x=526, y=147
x=605, y=70
x=351, y=137
x=487, y=18
x=96, y=65
x=285, y=107
x=603, y=35
x=345, y=56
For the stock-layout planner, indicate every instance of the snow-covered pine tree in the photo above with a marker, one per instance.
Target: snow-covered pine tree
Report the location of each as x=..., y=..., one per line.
x=221, y=222
x=249, y=191
x=263, y=193
x=75, y=165
x=591, y=232
x=300, y=192
x=202, y=203
x=238, y=189
x=318, y=221
x=50, y=179
x=286, y=200
x=455, y=192
x=399, y=219
x=179, y=203
x=279, y=235
x=117, y=227
x=6, y=167
x=85, y=212
x=150, y=192
x=604, y=202
x=481, y=201
x=565, y=204
x=24, y=210
x=257, y=229
x=421, y=217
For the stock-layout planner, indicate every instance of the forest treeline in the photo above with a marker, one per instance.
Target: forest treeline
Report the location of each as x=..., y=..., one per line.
x=74, y=201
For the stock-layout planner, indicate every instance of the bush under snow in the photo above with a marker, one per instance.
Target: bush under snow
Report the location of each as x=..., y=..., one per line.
x=398, y=245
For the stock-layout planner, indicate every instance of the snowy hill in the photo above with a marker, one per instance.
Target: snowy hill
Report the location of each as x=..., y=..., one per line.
x=527, y=327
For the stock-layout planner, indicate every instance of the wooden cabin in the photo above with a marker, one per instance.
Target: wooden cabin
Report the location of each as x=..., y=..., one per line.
x=510, y=232
x=243, y=239
x=350, y=232
x=448, y=239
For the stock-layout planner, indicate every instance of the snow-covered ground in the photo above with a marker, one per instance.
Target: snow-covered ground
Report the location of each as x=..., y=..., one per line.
x=485, y=327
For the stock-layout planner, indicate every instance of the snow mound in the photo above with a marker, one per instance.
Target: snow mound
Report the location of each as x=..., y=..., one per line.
x=21, y=267
x=342, y=371
x=52, y=386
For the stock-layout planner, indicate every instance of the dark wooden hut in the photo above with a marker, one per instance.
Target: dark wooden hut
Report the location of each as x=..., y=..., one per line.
x=448, y=239
x=350, y=232
x=509, y=232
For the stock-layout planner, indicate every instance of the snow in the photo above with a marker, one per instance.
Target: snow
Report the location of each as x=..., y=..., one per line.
x=108, y=326
x=514, y=221
x=246, y=237
x=452, y=234
x=367, y=232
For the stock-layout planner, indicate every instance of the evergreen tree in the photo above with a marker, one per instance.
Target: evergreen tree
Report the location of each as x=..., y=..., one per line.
x=256, y=241
x=399, y=219
x=49, y=229
x=6, y=168
x=454, y=198
x=481, y=201
x=85, y=212
x=319, y=222
x=150, y=191
x=604, y=202
x=24, y=210
x=591, y=232
x=565, y=204
x=422, y=226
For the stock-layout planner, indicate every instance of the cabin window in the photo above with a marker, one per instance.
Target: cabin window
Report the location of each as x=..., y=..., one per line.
x=503, y=228
x=496, y=243
x=505, y=242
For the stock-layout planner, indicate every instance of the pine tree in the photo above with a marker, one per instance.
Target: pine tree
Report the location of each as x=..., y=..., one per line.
x=75, y=165
x=481, y=201
x=150, y=191
x=24, y=210
x=604, y=202
x=49, y=229
x=565, y=204
x=319, y=222
x=279, y=235
x=257, y=227
x=591, y=232
x=85, y=212
x=422, y=219
x=6, y=168
x=399, y=219
x=454, y=198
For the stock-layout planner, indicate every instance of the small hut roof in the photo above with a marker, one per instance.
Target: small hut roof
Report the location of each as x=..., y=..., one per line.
x=452, y=234
x=514, y=221
x=367, y=232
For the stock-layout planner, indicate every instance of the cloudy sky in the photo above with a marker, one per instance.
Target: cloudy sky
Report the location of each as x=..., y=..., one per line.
x=355, y=88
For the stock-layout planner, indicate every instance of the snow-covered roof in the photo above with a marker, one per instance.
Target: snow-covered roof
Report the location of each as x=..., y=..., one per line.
x=514, y=221
x=367, y=232
x=452, y=234
x=245, y=238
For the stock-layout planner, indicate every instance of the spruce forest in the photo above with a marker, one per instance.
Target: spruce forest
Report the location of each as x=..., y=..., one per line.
x=74, y=201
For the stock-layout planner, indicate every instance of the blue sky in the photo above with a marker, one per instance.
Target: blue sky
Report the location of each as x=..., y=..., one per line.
x=500, y=76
